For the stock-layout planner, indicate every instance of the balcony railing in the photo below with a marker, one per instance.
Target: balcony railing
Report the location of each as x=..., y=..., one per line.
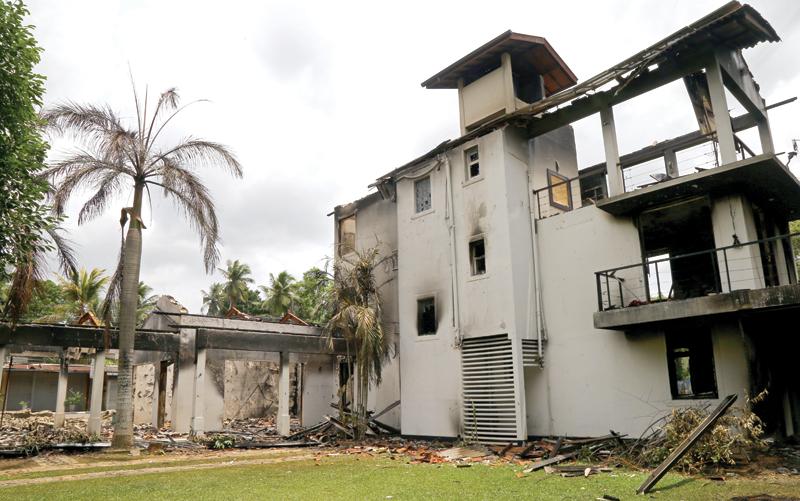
x=752, y=265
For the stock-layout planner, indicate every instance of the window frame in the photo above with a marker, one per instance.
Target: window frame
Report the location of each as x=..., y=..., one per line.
x=343, y=250
x=472, y=259
x=550, y=185
x=699, y=342
x=468, y=177
x=427, y=335
x=418, y=212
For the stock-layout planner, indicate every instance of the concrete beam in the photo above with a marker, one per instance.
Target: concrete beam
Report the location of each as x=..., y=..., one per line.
x=72, y=336
x=283, y=397
x=189, y=321
x=96, y=392
x=61, y=391
x=267, y=341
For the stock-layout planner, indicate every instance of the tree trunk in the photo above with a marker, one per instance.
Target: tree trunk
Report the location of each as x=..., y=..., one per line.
x=129, y=299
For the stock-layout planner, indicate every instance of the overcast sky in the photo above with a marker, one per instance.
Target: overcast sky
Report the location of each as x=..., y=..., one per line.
x=317, y=99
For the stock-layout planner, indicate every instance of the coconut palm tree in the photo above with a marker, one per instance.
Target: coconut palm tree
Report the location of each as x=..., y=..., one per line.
x=281, y=294
x=237, y=276
x=214, y=300
x=355, y=304
x=147, y=301
x=84, y=289
x=118, y=157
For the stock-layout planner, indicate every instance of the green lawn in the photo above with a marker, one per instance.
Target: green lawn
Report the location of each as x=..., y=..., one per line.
x=351, y=477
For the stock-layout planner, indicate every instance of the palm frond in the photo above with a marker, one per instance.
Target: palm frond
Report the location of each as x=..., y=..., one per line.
x=107, y=186
x=196, y=205
x=191, y=153
x=64, y=251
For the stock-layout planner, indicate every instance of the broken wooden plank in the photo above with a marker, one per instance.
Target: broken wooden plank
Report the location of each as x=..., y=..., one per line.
x=687, y=444
x=547, y=462
x=557, y=447
x=384, y=426
x=387, y=409
x=527, y=450
x=341, y=426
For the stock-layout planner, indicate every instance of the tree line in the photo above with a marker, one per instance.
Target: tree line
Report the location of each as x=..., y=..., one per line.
x=283, y=293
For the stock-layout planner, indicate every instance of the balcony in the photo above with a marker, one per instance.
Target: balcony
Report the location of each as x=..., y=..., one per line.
x=755, y=275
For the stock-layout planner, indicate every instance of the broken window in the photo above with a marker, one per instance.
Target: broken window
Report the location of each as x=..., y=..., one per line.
x=477, y=257
x=691, y=364
x=426, y=316
x=558, y=189
x=473, y=163
x=347, y=235
x=422, y=194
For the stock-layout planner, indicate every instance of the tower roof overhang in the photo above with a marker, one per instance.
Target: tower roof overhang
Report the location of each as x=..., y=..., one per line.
x=529, y=54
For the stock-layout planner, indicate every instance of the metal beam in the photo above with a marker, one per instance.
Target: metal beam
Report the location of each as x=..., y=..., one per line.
x=71, y=336
x=221, y=339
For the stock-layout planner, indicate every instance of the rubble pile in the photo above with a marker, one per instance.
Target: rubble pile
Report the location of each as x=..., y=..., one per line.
x=27, y=433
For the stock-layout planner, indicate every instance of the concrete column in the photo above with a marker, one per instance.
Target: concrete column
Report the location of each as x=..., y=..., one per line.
x=461, y=117
x=61, y=391
x=508, y=82
x=671, y=163
x=183, y=383
x=283, y=396
x=616, y=185
x=198, y=426
x=722, y=119
x=3, y=353
x=96, y=392
x=765, y=135
x=156, y=392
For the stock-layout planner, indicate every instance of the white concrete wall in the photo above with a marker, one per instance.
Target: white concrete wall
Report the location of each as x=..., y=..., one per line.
x=320, y=380
x=733, y=215
x=596, y=380
x=483, y=97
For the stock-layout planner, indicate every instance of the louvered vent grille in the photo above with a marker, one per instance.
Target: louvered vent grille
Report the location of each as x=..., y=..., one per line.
x=530, y=353
x=490, y=408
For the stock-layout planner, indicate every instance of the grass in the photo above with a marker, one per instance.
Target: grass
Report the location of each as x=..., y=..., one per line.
x=354, y=477
x=142, y=463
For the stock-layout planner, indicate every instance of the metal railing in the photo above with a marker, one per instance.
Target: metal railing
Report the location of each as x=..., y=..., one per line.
x=550, y=200
x=757, y=264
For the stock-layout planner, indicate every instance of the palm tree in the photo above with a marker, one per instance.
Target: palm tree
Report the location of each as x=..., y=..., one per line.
x=355, y=304
x=117, y=157
x=214, y=300
x=281, y=294
x=29, y=271
x=237, y=276
x=147, y=301
x=84, y=290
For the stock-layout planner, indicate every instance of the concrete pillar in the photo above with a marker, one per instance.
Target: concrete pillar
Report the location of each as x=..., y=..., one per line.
x=508, y=82
x=671, y=163
x=183, y=383
x=722, y=119
x=61, y=391
x=765, y=135
x=96, y=392
x=3, y=353
x=616, y=185
x=283, y=396
x=198, y=425
x=156, y=392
